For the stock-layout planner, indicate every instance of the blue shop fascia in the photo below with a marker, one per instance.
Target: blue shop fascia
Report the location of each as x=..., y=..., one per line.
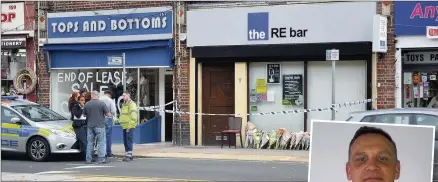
x=84, y=50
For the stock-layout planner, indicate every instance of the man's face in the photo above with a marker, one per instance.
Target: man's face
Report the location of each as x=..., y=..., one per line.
x=372, y=159
x=125, y=97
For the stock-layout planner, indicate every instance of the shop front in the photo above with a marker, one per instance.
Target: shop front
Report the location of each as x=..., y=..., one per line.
x=17, y=50
x=416, y=30
x=14, y=58
x=89, y=50
x=273, y=58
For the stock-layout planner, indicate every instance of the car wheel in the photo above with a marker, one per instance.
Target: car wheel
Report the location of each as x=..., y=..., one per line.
x=38, y=149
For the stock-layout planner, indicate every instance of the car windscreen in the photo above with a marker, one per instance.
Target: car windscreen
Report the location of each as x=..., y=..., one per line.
x=38, y=113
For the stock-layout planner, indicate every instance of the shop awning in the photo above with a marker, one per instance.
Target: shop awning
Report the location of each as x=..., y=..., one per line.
x=99, y=55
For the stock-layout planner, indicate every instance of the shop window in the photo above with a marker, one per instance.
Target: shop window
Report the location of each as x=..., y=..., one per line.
x=276, y=86
x=12, y=60
x=420, y=89
x=65, y=82
x=350, y=83
x=148, y=84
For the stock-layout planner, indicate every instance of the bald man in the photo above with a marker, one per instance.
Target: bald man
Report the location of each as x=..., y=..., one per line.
x=372, y=157
x=95, y=112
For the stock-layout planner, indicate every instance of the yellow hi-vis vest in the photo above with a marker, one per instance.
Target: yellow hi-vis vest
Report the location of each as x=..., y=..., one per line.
x=128, y=115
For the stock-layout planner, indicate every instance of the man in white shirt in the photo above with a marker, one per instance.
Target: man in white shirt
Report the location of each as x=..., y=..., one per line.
x=109, y=102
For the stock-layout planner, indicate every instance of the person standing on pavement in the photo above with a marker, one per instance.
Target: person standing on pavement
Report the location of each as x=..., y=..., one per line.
x=72, y=102
x=128, y=120
x=87, y=96
x=111, y=105
x=80, y=123
x=95, y=111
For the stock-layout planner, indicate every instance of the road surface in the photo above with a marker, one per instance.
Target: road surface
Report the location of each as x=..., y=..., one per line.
x=162, y=168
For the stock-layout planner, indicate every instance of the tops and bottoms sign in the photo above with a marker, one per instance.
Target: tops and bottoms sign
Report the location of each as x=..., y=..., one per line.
x=295, y=24
x=110, y=25
x=416, y=18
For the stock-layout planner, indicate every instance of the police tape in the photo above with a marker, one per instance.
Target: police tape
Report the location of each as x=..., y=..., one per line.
x=333, y=107
x=154, y=107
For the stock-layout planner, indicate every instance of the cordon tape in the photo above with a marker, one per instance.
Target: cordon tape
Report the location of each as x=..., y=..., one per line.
x=333, y=107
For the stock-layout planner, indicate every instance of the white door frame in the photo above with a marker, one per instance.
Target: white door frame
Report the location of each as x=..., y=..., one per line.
x=162, y=100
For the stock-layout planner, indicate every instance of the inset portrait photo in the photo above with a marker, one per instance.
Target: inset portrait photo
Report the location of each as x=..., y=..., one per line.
x=370, y=152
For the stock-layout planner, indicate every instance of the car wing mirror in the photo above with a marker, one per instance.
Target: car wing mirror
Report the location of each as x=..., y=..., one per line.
x=16, y=120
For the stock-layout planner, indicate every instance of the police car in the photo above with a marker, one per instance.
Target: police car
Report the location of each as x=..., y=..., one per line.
x=30, y=128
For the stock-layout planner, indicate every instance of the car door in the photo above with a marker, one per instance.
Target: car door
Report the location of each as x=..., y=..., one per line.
x=10, y=131
x=430, y=120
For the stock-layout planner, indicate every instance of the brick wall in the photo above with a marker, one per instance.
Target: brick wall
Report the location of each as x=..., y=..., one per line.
x=43, y=87
x=181, y=80
x=181, y=77
x=386, y=67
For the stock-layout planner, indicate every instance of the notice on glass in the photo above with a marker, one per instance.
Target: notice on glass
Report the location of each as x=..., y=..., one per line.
x=416, y=92
x=407, y=78
x=425, y=89
x=273, y=73
x=261, y=86
x=293, y=90
x=271, y=96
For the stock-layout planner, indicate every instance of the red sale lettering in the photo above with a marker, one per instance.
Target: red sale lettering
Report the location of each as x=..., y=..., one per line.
x=426, y=12
x=8, y=17
x=433, y=32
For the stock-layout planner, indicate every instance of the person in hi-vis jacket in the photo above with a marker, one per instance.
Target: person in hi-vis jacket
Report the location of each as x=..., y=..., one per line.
x=128, y=120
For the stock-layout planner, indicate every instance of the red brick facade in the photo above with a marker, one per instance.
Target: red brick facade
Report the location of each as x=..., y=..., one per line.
x=180, y=80
x=43, y=87
x=386, y=67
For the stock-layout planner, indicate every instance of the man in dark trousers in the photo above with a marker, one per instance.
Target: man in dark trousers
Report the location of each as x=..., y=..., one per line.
x=95, y=112
x=109, y=121
x=128, y=119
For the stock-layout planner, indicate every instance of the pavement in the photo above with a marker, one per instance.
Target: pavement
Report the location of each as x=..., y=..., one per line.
x=67, y=168
x=166, y=150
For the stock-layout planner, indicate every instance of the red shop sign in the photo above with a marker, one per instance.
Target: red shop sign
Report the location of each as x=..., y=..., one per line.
x=432, y=32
